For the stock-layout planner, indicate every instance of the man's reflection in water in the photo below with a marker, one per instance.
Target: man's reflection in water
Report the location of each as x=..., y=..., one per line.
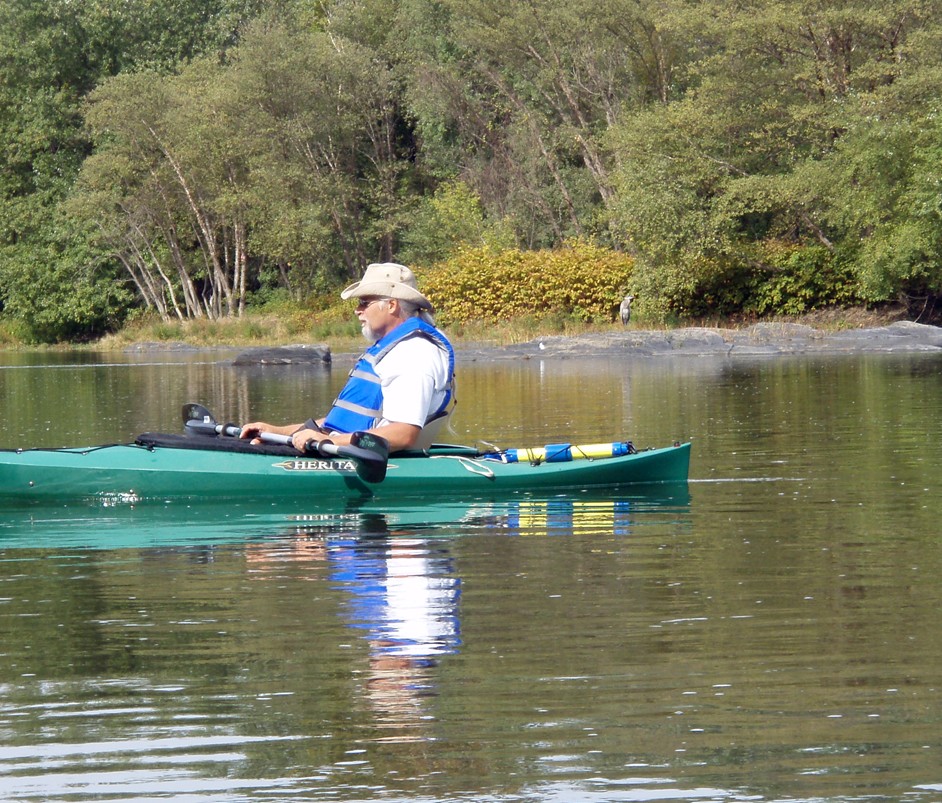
x=399, y=590
x=404, y=595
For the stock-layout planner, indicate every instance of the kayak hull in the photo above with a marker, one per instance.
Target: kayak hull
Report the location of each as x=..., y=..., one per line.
x=131, y=473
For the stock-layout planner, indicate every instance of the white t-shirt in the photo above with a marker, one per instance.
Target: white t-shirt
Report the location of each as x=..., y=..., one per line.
x=414, y=377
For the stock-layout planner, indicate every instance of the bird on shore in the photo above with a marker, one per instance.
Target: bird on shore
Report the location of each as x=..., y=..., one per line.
x=624, y=311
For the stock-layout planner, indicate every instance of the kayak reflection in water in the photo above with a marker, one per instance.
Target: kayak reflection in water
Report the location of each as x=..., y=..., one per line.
x=401, y=387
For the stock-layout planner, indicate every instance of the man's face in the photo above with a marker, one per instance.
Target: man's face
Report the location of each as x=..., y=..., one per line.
x=376, y=316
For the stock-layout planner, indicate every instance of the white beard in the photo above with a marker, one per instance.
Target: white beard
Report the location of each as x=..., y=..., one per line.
x=368, y=333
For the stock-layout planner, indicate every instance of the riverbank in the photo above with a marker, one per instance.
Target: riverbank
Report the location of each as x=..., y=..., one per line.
x=271, y=340
x=757, y=340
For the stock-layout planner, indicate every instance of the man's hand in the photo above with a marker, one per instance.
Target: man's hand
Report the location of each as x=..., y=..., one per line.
x=255, y=429
x=303, y=437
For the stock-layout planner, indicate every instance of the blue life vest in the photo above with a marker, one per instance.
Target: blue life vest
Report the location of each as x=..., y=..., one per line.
x=359, y=405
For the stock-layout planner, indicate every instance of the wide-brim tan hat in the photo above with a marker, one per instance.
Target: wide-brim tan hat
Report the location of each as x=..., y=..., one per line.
x=388, y=280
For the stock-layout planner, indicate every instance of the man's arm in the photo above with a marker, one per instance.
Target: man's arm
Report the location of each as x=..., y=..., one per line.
x=254, y=429
x=400, y=436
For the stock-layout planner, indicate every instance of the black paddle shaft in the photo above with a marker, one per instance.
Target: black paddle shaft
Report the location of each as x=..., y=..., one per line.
x=368, y=451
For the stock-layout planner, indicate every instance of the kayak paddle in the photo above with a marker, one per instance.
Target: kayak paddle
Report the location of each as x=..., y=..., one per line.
x=369, y=452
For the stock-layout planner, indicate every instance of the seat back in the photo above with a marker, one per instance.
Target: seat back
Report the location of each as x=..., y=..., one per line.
x=432, y=430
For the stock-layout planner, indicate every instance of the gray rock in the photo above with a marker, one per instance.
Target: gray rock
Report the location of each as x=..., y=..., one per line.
x=761, y=339
x=302, y=354
x=780, y=332
x=696, y=340
x=161, y=345
x=899, y=336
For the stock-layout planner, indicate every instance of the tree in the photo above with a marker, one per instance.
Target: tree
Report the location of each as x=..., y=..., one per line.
x=167, y=187
x=52, y=54
x=317, y=117
x=518, y=98
x=288, y=154
x=762, y=145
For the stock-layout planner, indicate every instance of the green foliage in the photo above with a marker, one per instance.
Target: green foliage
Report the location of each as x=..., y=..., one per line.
x=884, y=194
x=58, y=299
x=805, y=124
x=694, y=287
x=581, y=281
x=283, y=157
x=449, y=219
x=795, y=280
x=52, y=53
x=779, y=279
x=756, y=157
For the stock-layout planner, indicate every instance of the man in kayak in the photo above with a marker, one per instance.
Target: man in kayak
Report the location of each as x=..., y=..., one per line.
x=400, y=383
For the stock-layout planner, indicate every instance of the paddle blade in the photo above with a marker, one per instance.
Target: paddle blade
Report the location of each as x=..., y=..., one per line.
x=374, y=443
x=196, y=412
x=198, y=419
x=369, y=453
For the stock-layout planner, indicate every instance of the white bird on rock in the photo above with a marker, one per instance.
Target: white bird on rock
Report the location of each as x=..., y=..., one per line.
x=624, y=310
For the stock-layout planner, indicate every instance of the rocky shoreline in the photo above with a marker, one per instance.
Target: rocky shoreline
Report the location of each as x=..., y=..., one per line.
x=758, y=340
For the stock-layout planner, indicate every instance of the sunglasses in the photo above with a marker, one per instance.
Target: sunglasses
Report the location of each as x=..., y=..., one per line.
x=365, y=304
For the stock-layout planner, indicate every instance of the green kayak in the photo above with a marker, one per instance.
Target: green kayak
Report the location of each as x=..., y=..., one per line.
x=199, y=467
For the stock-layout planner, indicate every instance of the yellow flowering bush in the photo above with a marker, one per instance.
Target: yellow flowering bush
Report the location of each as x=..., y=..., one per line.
x=581, y=280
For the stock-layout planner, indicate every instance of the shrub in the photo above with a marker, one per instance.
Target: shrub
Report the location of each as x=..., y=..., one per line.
x=581, y=281
x=774, y=279
x=695, y=287
x=800, y=279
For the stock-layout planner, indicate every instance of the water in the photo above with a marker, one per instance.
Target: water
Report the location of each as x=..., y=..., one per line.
x=769, y=632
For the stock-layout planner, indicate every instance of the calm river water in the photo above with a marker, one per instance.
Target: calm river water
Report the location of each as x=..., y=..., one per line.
x=769, y=632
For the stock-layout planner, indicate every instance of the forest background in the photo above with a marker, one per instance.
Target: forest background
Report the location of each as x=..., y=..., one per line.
x=200, y=160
